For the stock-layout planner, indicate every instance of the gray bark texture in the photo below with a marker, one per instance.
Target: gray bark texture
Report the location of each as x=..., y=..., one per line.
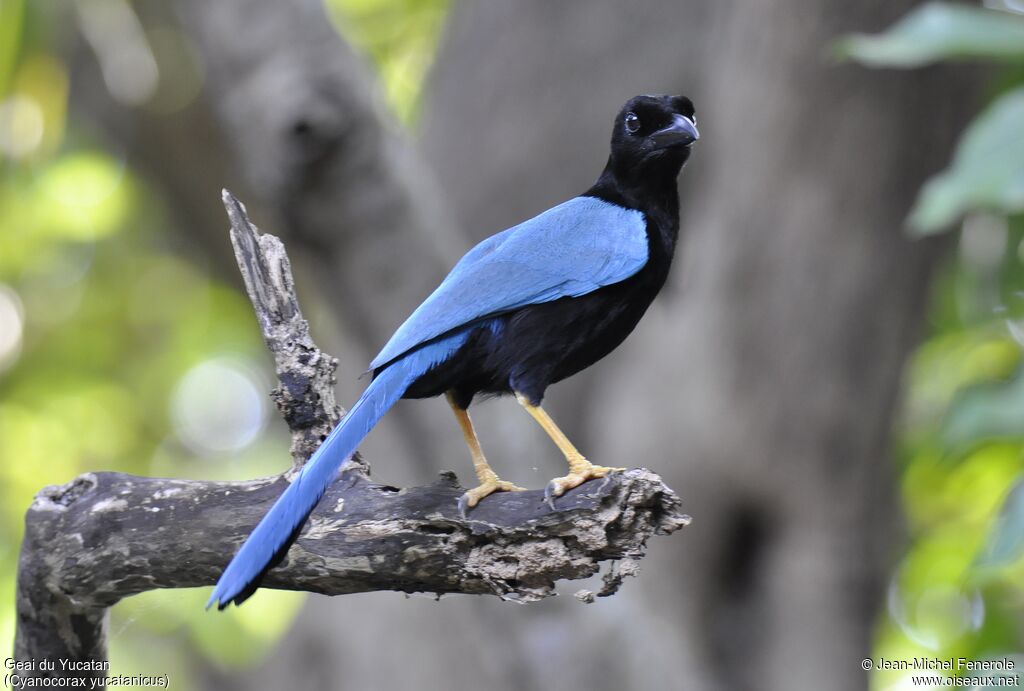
x=763, y=380
x=106, y=536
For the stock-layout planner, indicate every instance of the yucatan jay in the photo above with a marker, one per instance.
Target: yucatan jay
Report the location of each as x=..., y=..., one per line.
x=525, y=308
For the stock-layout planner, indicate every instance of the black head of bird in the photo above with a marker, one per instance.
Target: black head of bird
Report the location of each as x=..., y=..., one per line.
x=651, y=140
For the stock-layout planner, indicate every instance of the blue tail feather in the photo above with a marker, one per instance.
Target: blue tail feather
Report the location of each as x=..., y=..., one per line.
x=279, y=527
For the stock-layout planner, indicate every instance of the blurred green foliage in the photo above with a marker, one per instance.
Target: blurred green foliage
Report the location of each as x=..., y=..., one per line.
x=116, y=342
x=987, y=171
x=400, y=36
x=959, y=590
x=940, y=31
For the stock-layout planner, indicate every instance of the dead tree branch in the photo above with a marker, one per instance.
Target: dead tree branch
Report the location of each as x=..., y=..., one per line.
x=106, y=536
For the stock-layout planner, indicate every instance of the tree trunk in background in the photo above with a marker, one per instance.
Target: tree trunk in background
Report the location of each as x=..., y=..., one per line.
x=761, y=384
x=764, y=380
x=344, y=184
x=325, y=166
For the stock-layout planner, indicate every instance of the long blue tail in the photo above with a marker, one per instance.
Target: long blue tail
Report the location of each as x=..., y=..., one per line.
x=274, y=534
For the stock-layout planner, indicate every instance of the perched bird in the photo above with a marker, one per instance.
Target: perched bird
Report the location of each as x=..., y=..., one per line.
x=525, y=308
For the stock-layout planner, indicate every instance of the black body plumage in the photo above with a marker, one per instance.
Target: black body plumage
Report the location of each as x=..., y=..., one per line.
x=530, y=348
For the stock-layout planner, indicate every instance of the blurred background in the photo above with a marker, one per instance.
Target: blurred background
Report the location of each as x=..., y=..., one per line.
x=832, y=379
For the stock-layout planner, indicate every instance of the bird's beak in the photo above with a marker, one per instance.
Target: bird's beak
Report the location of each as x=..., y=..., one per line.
x=682, y=132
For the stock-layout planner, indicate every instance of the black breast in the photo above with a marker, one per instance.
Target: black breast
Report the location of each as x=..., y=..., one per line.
x=528, y=349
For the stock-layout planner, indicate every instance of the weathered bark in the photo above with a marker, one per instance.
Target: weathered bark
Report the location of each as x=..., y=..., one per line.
x=106, y=536
x=305, y=396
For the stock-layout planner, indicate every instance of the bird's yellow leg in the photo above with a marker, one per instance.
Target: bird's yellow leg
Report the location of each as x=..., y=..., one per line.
x=489, y=480
x=580, y=469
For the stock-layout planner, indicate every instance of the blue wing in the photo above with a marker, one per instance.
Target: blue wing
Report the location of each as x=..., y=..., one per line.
x=570, y=250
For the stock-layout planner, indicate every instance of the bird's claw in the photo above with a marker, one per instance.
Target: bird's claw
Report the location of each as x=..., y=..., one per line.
x=472, y=497
x=560, y=485
x=550, y=492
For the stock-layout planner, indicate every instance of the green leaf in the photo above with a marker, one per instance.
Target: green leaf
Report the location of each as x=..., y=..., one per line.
x=986, y=412
x=1006, y=541
x=12, y=15
x=938, y=31
x=987, y=170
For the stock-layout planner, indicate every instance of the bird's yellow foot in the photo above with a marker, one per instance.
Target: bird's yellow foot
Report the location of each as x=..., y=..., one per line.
x=580, y=470
x=472, y=497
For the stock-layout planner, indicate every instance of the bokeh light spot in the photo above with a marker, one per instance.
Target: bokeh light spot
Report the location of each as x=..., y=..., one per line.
x=11, y=325
x=219, y=407
x=86, y=196
x=21, y=126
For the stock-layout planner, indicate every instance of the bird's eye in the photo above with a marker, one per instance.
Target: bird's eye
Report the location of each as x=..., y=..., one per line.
x=632, y=123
